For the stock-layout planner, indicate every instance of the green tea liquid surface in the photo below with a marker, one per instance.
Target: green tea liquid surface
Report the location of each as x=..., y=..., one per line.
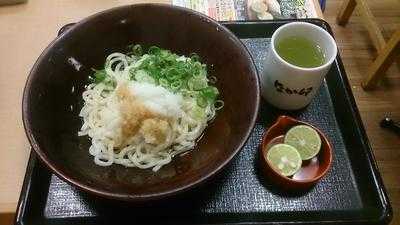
x=300, y=51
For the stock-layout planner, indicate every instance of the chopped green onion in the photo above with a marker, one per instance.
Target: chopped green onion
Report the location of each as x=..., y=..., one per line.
x=136, y=50
x=180, y=74
x=194, y=57
x=209, y=93
x=201, y=101
x=176, y=85
x=163, y=83
x=98, y=76
x=197, y=83
x=153, y=50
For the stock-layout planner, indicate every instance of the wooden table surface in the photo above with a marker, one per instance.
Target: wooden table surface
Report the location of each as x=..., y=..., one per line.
x=358, y=52
x=26, y=29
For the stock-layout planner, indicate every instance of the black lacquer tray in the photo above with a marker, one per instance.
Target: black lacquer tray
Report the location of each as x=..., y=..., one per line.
x=351, y=193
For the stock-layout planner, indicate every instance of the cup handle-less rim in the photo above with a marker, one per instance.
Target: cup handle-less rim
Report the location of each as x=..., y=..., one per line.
x=329, y=37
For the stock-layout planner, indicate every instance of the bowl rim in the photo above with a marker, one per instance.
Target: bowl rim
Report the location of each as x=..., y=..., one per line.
x=26, y=117
x=299, y=122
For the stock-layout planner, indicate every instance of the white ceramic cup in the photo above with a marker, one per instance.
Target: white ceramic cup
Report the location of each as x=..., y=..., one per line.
x=291, y=87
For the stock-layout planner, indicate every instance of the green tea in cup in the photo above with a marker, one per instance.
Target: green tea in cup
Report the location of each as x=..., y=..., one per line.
x=298, y=58
x=300, y=51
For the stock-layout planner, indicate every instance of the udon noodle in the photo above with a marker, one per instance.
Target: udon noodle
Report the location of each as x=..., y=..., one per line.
x=137, y=119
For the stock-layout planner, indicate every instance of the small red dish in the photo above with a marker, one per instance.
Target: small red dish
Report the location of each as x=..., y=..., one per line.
x=311, y=170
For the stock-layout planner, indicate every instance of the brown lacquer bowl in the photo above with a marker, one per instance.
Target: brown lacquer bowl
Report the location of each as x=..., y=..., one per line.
x=311, y=170
x=52, y=98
